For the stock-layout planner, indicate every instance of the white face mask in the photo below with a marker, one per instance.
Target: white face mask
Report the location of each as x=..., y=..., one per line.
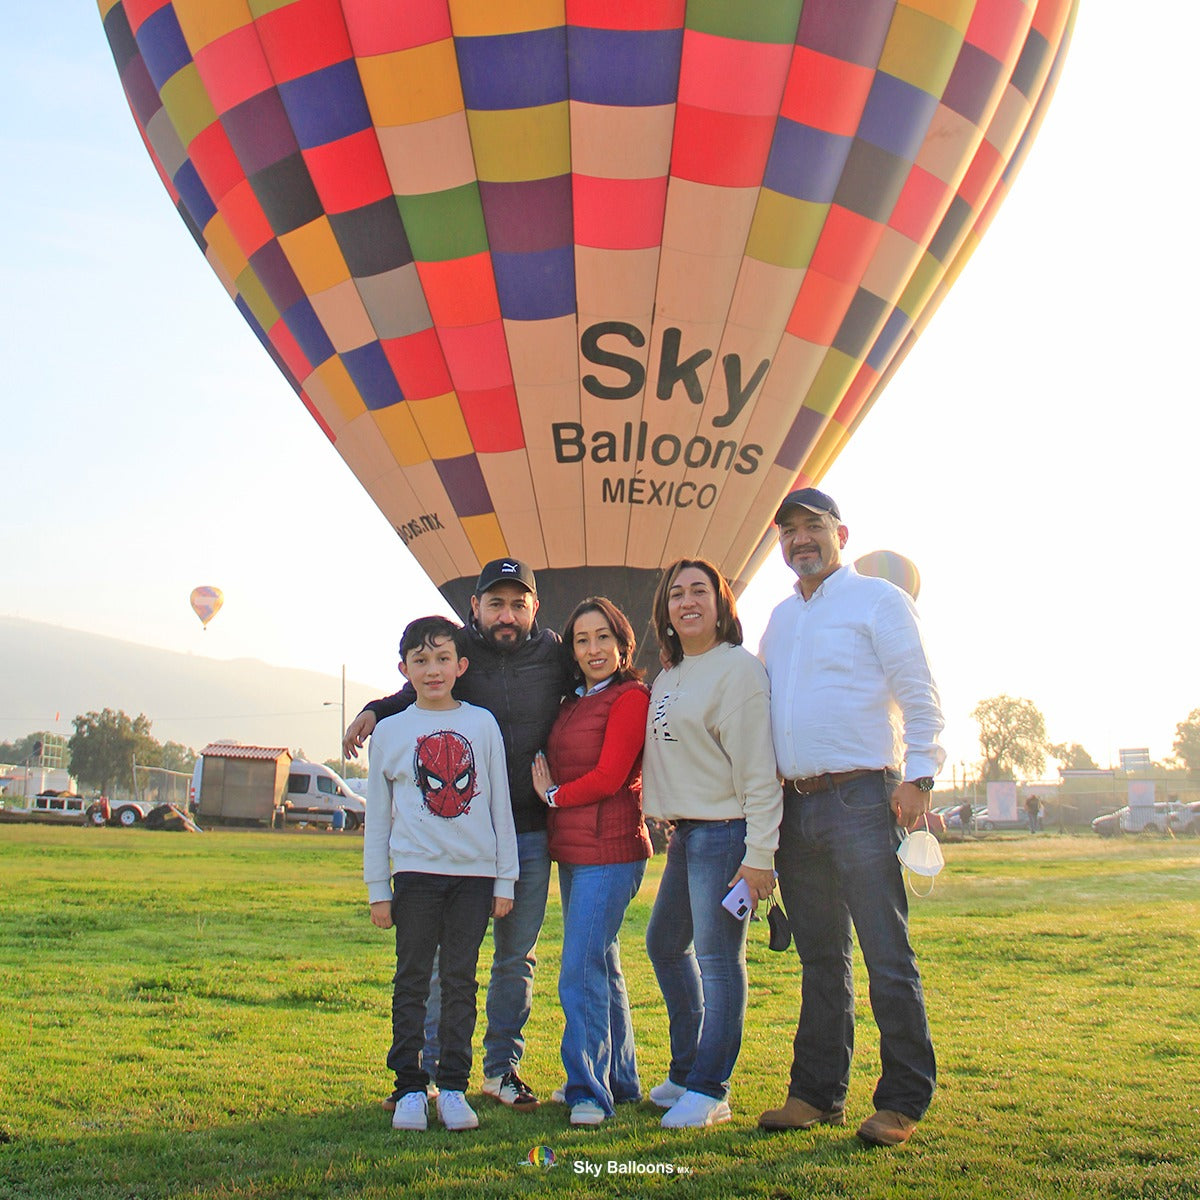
x=920, y=853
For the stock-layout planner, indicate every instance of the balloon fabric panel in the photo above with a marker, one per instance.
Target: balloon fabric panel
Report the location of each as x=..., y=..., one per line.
x=589, y=284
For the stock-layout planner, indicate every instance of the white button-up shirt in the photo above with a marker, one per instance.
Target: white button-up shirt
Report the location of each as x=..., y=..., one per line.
x=850, y=683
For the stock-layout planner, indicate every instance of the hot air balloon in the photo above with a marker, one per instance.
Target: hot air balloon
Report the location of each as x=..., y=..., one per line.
x=206, y=603
x=589, y=284
x=895, y=568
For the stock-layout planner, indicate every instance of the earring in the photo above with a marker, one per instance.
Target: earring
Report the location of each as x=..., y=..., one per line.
x=670, y=631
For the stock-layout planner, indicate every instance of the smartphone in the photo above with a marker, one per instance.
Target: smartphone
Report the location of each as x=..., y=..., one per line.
x=737, y=901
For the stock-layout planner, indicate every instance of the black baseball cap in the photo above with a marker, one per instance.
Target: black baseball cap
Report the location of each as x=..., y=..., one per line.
x=811, y=499
x=506, y=570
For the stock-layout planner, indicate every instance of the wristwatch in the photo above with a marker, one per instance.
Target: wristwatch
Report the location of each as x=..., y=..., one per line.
x=550, y=796
x=924, y=784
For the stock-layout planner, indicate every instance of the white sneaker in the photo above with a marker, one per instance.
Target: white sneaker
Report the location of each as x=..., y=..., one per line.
x=694, y=1110
x=412, y=1111
x=454, y=1112
x=559, y=1095
x=587, y=1112
x=666, y=1093
x=510, y=1089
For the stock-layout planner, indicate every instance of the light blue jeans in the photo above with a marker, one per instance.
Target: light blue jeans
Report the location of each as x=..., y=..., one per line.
x=597, y=1043
x=699, y=953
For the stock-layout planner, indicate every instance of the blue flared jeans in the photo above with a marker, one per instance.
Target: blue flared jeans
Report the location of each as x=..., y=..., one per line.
x=597, y=1043
x=699, y=953
x=837, y=870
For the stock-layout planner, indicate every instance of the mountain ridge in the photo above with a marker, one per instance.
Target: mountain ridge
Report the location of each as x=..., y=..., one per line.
x=188, y=698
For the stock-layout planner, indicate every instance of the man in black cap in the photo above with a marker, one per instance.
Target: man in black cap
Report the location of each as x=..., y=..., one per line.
x=519, y=673
x=855, y=720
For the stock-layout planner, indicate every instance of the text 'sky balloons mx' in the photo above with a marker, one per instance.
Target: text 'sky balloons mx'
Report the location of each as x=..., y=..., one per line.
x=206, y=603
x=591, y=284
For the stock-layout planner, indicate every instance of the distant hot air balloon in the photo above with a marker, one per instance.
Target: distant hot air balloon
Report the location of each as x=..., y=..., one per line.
x=587, y=283
x=206, y=603
x=895, y=568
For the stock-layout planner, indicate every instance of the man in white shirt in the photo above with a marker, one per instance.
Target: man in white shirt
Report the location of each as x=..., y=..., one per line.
x=855, y=720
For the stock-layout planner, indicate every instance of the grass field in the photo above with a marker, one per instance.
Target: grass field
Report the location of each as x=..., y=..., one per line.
x=207, y=1016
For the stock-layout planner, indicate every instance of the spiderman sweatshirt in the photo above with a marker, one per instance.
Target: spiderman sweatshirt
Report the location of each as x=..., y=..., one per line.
x=437, y=800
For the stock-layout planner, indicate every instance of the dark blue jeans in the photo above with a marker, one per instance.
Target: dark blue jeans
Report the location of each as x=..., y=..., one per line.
x=445, y=915
x=837, y=867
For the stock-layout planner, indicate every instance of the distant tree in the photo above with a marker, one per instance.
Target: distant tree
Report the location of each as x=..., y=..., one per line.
x=1187, y=741
x=1072, y=756
x=1012, y=736
x=105, y=744
x=352, y=769
x=22, y=749
x=175, y=756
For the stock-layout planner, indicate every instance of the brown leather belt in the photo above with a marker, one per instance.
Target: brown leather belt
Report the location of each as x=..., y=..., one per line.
x=824, y=783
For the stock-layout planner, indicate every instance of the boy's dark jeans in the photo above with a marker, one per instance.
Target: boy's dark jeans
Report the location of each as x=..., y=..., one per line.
x=446, y=913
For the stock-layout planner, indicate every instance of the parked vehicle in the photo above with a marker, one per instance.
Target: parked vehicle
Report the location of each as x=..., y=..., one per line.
x=1166, y=815
x=130, y=812
x=315, y=794
x=55, y=808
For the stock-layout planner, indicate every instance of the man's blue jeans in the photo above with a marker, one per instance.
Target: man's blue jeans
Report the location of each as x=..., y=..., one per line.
x=699, y=953
x=510, y=990
x=837, y=867
x=597, y=1043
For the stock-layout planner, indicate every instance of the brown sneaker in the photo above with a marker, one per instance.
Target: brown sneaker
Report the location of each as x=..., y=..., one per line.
x=887, y=1128
x=797, y=1114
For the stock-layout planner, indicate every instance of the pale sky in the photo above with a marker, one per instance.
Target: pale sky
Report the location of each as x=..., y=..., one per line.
x=1035, y=455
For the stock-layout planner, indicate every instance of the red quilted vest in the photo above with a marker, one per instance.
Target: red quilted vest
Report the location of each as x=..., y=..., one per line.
x=613, y=830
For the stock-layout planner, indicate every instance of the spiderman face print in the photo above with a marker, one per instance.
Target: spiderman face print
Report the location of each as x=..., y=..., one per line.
x=444, y=765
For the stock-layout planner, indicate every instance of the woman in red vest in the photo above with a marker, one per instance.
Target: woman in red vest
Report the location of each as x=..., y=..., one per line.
x=591, y=779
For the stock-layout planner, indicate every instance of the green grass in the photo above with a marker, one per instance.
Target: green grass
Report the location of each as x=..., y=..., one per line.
x=208, y=1016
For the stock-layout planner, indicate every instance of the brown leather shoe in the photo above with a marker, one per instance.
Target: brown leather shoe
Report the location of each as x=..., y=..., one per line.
x=887, y=1128
x=797, y=1114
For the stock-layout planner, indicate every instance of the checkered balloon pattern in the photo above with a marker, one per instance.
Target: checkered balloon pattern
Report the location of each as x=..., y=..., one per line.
x=589, y=283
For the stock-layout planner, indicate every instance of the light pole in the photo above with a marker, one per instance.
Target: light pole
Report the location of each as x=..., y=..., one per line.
x=342, y=727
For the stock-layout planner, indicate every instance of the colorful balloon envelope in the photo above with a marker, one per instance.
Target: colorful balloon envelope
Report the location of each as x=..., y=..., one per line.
x=895, y=568
x=592, y=284
x=206, y=603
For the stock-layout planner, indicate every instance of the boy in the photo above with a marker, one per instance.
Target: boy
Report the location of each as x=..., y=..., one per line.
x=438, y=808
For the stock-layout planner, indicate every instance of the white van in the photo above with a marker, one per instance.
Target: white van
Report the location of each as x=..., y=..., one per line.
x=315, y=794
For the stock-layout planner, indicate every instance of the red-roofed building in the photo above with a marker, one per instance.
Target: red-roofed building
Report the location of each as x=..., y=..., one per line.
x=242, y=783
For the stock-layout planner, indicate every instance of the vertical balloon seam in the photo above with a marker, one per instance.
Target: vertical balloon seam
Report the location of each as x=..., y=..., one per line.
x=960, y=245
x=838, y=367
x=771, y=458
x=623, y=513
x=468, y=467
x=483, y=26
x=740, y=34
x=198, y=228
x=756, y=416
x=441, y=459
x=987, y=209
x=815, y=467
x=971, y=236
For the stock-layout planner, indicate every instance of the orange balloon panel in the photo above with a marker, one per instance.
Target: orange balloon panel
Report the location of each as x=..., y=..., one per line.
x=589, y=284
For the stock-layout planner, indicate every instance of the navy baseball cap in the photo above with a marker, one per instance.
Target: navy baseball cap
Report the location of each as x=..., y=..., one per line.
x=811, y=499
x=506, y=570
